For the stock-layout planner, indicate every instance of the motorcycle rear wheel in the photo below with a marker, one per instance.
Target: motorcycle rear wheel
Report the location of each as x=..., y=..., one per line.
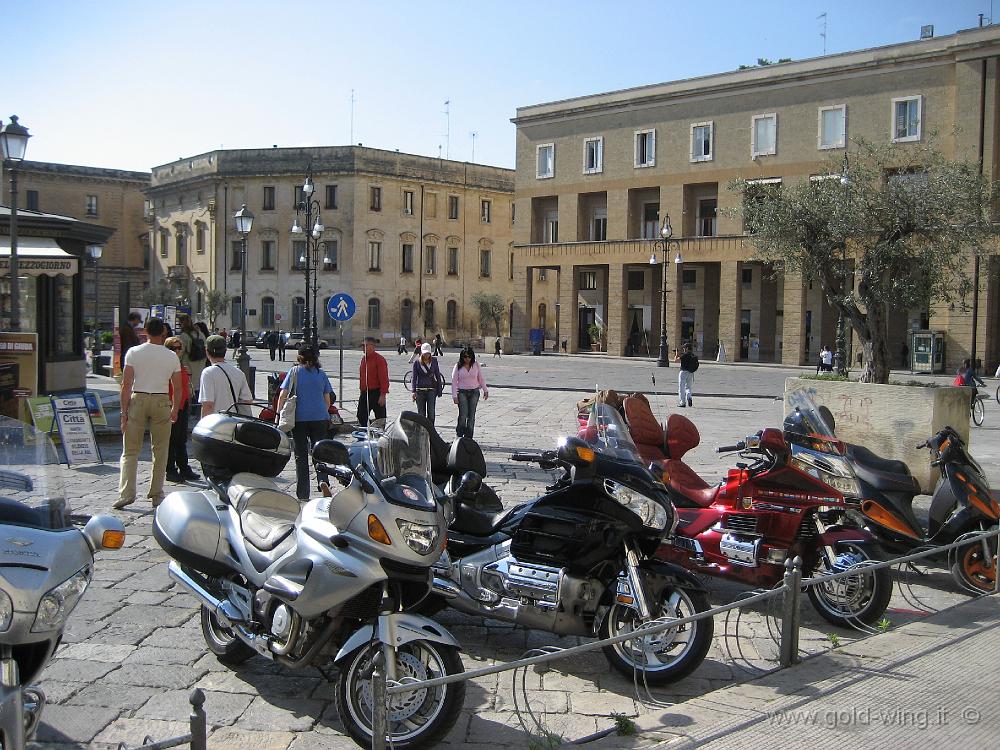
x=222, y=642
x=417, y=719
x=667, y=656
x=852, y=600
x=974, y=573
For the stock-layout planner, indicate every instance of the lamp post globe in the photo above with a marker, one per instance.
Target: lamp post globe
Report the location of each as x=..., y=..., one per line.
x=13, y=144
x=243, y=220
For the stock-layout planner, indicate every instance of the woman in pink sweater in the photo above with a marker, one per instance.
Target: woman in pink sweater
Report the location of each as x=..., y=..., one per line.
x=466, y=382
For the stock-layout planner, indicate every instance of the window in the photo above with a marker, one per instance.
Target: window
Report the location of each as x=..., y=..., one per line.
x=267, y=312
x=298, y=313
x=164, y=243
x=408, y=202
x=484, y=263
x=431, y=205
x=181, y=247
x=374, y=313
x=588, y=280
x=374, y=256
x=707, y=209
x=747, y=276
x=237, y=253
x=407, y=266
x=453, y=261
x=298, y=255
x=200, y=230
x=484, y=211
x=832, y=127
x=297, y=196
x=452, y=206
x=541, y=274
x=267, y=255
x=328, y=322
x=513, y=211
x=906, y=119
x=689, y=279
x=429, y=314
x=593, y=155
x=645, y=148
x=636, y=281
x=599, y=226
x=429, y=265
x=91, y=205
x=236, y=312
x=542, y=315
x=375, y=198
x=268, y=198
x=701, y=141
x=764, y=135
x=452, y=315
x=32, y=200
x=551, y=228
x=330, y=250
x=753, y=199
x=545, y=161
x=331, y=197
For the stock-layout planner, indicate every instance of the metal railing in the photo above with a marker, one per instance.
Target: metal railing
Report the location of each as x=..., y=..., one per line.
x=196, y=739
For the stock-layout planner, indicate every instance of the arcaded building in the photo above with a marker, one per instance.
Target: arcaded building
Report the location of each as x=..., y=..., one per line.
x=596, y=174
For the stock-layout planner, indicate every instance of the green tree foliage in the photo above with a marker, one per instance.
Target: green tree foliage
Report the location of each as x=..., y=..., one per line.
x=908, y=218
x=215, y=304
x=491, y=310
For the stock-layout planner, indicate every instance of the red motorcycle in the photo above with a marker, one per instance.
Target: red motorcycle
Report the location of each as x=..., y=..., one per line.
x=767, y=510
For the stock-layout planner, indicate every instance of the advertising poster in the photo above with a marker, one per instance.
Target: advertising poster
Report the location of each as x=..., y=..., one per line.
x=18, y=371
x=76, y=430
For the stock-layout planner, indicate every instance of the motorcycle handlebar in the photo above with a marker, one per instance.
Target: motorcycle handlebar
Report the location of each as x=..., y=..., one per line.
x=731, y=448
x=526, y=457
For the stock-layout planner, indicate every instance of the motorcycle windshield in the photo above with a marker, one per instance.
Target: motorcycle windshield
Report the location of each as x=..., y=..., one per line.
x=31, y=478
x=808, y=418
x=404, y=449
x=608, y=433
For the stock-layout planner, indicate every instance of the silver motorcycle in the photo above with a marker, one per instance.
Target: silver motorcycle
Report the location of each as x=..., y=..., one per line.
x=301, y=583
x=46, y=564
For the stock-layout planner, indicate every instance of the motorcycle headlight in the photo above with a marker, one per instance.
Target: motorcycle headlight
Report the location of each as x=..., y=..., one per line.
x=831, y=470
x=6, y=611
x=422, y=538
x=652, y=513
x=57, y=604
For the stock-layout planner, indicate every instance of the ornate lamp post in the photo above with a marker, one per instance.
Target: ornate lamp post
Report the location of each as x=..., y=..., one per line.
x=14, y=142
x=841, y=355
x=95, y=252
x=309, y=259
x=244, y=223
x=665, y=243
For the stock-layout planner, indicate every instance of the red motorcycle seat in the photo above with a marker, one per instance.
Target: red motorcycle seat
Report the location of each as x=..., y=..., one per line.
x=683, y=480
x=644, y=429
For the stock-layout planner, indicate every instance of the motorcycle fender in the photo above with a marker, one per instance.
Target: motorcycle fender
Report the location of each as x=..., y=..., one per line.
x=398, y=628
x=837, y=533
x=685, y=579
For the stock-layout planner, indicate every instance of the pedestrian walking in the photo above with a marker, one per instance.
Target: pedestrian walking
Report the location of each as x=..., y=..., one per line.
x=466, y=383
x=128, y=334
x=272, y=343
x=178, y=468
x=374, y=383
x=223, y=384
x=234, y=342
x=428, y=382
x=193, y=351
x=417, y=343
x=313, y=397
x=401, y=349
x=826, y=359
x=438, y=343
x=149, y=371
x=282, y=345
x=685, y=380
x=496, y=347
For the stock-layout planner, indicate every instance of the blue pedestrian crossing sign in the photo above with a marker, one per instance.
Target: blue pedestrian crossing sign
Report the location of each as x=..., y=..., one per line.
x=341, y=307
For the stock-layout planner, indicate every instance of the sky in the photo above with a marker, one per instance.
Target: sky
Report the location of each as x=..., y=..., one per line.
x=132, y=85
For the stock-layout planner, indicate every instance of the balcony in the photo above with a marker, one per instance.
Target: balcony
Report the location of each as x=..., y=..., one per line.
x=693, y=250
x=178, y=272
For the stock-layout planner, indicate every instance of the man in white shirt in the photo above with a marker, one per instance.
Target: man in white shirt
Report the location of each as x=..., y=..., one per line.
x=150, y=399
x=222, y=383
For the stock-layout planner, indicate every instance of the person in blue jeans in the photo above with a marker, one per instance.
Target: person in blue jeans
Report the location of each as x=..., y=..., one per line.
x=427, y=382
x=314, y=395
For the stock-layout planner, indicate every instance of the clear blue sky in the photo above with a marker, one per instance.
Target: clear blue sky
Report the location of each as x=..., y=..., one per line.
x=135, y=84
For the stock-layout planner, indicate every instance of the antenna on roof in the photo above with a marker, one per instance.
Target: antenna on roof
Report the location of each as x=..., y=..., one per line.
x=447, y=132
x=822, y=17
x=351, y=139
x=473, y=134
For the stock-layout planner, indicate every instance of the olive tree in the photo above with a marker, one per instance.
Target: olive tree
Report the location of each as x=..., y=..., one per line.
x=910, y=219
x=216, y=303
x=491, y=308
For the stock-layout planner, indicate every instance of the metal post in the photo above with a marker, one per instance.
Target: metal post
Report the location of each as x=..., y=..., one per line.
x=340, y=341
x=95, y=349
x=315, y=290
x=243, y=357
x=12, y=709
x=790, y=612
x=15, y=292
x=380, y=716
x=198, y=722
x=664, y=358
x=305, y=298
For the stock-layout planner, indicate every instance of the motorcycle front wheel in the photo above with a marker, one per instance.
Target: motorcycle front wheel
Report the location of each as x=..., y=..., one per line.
x=860, y=598
x=663, y=657
x=974, y=567
x=420, y=718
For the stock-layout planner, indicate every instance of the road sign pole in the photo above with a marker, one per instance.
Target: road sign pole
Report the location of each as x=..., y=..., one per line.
x=340, y=340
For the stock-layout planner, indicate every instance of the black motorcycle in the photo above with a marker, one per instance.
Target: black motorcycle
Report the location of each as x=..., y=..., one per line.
x=579, y=559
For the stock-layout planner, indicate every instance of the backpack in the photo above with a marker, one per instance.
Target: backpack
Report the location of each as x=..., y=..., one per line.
x=197, y=352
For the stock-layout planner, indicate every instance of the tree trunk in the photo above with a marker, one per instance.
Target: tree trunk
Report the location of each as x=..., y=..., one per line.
x=876, y=352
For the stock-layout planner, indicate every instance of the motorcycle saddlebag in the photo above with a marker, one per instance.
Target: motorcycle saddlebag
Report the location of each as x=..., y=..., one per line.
x=227, y=444
x=187, y=527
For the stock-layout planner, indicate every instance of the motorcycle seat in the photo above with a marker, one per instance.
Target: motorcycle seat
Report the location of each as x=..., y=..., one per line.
x=884, y=474
x=646, y=432
x=683, y=480
x=267, y=515
x=471, y=520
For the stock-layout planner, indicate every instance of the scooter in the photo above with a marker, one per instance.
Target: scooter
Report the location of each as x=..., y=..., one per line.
x=766, y=511
x=963, y=503
x=47, y=564
x=578, y=559
x=299, y=584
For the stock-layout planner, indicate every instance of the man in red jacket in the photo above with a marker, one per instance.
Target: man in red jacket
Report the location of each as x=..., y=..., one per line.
x=374, y=383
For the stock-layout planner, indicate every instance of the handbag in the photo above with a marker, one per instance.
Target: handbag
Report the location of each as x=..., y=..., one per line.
x=286, y=419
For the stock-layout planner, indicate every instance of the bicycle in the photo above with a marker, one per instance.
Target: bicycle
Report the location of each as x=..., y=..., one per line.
x=979, y=408
x=408, y=381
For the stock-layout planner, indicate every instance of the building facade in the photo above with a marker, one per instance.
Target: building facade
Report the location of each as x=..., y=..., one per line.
x=108, y=197
x=412, y=239
x=596, y=175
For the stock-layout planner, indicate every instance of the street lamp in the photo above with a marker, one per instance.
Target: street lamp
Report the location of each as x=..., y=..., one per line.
x=244, y=223
x=14, y=142
x=309, y=259
x=841, y=355
x=95, y=252
x=665, y=242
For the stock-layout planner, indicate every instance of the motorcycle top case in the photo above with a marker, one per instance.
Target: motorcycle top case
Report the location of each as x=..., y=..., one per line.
x=231, y=443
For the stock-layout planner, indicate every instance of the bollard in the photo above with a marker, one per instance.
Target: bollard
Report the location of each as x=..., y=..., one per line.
x=790, y=612
x=380, y=719
x=198, y=722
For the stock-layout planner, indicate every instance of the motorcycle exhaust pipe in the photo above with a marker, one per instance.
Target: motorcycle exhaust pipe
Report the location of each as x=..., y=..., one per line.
x=444, y=587
x=223, y=610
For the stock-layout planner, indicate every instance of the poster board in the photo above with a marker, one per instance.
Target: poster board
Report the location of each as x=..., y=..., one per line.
x=76, y=431
x=18, y=371
x=40, y=409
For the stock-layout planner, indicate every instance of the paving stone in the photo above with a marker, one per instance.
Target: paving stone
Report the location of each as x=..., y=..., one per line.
x=163, y=655
x=546, y=701
x=293, y=715
x=74, y=670
x=132, y=731
x=112, y=654
x=123, y=633
x=61, y=723
x=126, y=697
x=153, y=616
x=164, y=676
x=186, y=636
x=221, y=708
x=229, y=738
x=601, y=704
x=314, y=741
x=148, y=598
x=78, y=629
x=59, y=692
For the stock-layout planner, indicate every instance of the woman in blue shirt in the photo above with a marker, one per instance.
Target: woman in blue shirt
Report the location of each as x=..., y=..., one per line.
x=311, y=387
x=427, y=382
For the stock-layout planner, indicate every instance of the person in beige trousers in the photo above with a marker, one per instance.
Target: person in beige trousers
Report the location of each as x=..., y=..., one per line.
x=149, y=371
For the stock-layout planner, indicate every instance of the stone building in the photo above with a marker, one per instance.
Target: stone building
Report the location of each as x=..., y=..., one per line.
x=108, y=197
x=596, y=174
x=410, y=238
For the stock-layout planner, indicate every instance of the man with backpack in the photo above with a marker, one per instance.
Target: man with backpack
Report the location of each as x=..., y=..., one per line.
x=193, y=355
x=685, y=380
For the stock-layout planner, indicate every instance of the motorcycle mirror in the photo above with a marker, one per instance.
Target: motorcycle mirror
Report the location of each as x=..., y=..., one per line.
x=331, y=452
x=575, y=451
x=469, y=485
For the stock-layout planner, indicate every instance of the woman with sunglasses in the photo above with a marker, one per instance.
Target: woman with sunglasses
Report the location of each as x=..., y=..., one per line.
x=178, y=468
x=466, y=383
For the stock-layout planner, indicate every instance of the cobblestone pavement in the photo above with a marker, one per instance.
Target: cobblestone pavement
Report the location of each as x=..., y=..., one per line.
x=133, y=648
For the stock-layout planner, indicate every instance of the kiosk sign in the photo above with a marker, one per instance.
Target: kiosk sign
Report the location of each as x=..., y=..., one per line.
x=76, y=431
